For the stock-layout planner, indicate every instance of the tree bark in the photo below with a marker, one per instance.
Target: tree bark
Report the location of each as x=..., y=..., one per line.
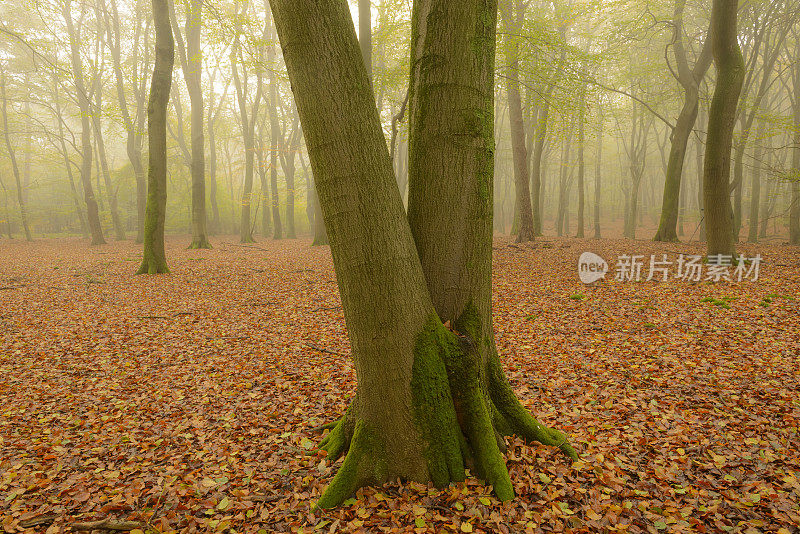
x=365, y=34
x=690, y=80
x=598, y=179
x=86, y=128
x=722, y=117
x=155, y=260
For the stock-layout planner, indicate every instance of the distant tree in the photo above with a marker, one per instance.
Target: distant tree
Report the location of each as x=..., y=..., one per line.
x=513, y=13
x=155, y=260
x=690, y=79
x=14, y=167
x=431, y=399
x=721, y=120
x=84, y=104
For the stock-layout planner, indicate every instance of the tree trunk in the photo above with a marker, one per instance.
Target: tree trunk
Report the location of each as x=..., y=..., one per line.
x=111, y=194
x=581, y=163
x=86, y=128
x=248, y=121
x=365, y=34
x=426, y=399
x=721, y=120
x=67, y=162
x=192, y=70
x=755, y=185
x=155, y=260
x=690, y=81
x=11, y=154
x=513, y=16
x=794, y=209
x=598, y=179
x=275, y=144
x=133, y=144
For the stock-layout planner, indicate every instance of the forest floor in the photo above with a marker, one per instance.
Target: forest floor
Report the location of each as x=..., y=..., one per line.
x=186, y=401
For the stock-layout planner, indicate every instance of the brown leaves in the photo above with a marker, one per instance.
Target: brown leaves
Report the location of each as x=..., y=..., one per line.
x=186, y=402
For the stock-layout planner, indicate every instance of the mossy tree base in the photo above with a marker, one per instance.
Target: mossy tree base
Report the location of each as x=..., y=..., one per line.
x=153, y=267
x=463, y=406
x=200, y=243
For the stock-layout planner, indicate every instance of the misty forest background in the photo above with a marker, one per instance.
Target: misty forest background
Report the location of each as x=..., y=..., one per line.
x=603, y=86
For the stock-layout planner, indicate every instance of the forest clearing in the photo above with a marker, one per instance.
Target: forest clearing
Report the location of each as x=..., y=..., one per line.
x=188, y=402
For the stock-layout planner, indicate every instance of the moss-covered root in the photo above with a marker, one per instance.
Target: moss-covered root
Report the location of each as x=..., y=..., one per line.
x=363, y=464
x=476, y=419
x=153, y=266
x=338, y=440
x=199, y=243
x=520, y=422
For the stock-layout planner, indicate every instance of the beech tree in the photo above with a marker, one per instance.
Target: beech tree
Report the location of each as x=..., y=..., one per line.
x=721, y=120
x=416, y=291
x=154, y=260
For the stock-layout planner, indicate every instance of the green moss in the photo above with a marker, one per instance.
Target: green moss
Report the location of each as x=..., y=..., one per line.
x=364, y=463
x=434, y=412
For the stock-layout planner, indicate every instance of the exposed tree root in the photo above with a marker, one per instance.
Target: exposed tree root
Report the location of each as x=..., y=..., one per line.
x=200, y=242
x=463, y=405
x=363, y=465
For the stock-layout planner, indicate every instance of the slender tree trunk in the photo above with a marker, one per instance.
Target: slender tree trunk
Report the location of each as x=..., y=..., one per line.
x=12, y=155
x=721, y=120
x=111, y=194
x=155, y=260
x=86, y=128
x=794, y=209
x=193, y=68
x=513, y=16
x=68, y=162
x=690, y=81
x=598, y=179
x=365, y=34
x=755, y=185
x=133, y=142
x=424, y=404
x=275, y=144
x=581, y=163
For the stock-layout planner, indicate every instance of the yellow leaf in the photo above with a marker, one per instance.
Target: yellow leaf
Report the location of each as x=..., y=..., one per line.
x=466, y=527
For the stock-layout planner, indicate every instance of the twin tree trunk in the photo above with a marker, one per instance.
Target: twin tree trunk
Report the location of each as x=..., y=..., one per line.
x=430, y=400
x=154, y=260
x=721, y=120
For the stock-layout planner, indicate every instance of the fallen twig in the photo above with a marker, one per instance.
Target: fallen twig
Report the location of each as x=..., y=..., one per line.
x=39, y=520
x=320, y=349
x=107, y=524
x=264, y=498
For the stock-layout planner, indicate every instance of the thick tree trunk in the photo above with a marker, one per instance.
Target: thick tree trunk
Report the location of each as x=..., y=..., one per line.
x=513, y=16
x=721, y=120
x=690, y=81
x=155, y=260
x=403, y=421
x=12, y=155
x=86, y=128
